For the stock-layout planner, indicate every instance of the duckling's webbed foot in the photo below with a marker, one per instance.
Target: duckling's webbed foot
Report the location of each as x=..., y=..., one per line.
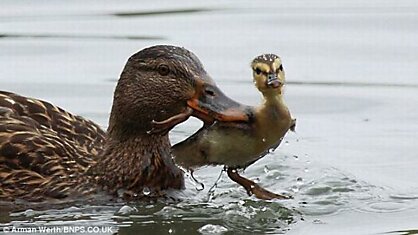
x=253, y=188
x=167, y=124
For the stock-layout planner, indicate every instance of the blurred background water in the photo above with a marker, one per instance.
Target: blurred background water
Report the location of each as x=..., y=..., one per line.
x=351, y=68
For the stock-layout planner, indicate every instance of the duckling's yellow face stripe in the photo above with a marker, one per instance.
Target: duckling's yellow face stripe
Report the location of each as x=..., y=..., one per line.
x=276, y=65
x=264, y=68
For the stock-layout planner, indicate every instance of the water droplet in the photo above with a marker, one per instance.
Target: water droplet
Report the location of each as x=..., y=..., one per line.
x=29, y=212
x=234, y=171
x=295, y=188
x=286, y=143
x=121, y=192
x=317, y=221
x=296, y=157
x=266, y=170
x=212, y=229
x=146, y=191
x=306, y=170
x=199, y=186
x=271, y=150
x=124, y=210
x=277, y=177
x=241, y=202
x=264, y=140
x=252, y=186
x=211, y=194
x=306, y=155
x=149, y=132
x=257, y=180
x=170, y=231
x=299, y=181
x=263, y=209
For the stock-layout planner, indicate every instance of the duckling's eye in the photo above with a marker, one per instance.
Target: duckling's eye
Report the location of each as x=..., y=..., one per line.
x=163, y=70
x=279, y=69
x=257, y=71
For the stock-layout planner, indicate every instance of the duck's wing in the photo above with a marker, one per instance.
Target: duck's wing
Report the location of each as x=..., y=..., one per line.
x=83, y=132
x=43, y=148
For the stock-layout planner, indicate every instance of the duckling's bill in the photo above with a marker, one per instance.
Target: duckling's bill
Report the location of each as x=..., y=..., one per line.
x=273, y=81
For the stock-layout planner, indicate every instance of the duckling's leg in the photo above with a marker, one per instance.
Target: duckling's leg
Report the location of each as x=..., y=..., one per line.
x=252, y=187
x=167, y=124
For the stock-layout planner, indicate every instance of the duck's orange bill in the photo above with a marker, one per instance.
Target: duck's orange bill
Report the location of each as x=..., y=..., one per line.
x=208, y=112
x=207, y=106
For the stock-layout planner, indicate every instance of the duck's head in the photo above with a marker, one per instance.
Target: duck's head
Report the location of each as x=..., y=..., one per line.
x=161, y=81
x=268, y=73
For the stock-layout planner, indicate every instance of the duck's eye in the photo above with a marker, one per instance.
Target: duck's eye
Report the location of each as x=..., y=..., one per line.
x=257, y=71
x=281, y=68
x=163, y=69
x=209, y=92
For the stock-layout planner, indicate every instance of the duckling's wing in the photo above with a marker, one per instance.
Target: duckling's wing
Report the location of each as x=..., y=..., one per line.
x=43, y=148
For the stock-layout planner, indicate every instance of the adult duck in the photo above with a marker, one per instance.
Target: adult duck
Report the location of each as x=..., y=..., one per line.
x=48, y=153
x=238, y=145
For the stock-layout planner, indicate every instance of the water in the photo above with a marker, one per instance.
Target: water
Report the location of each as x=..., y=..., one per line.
x=351, y=69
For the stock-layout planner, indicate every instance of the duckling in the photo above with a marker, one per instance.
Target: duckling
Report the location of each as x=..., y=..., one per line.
x=239, y=144
x=48, y=153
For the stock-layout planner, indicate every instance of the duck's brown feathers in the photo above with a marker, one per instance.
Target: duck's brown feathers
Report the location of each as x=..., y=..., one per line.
x=41, y=147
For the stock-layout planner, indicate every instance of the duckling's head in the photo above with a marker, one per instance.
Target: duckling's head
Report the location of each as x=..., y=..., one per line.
x=159, y=82
x=268, y=73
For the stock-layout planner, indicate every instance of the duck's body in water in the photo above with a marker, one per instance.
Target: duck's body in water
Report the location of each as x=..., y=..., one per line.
x=237, y=145
x=48, y=153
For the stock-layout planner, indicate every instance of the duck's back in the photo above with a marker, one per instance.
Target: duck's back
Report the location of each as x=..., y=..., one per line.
x=43, y=149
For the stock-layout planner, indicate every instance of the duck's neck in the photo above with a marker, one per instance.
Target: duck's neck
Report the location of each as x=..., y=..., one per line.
x=137, y=163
